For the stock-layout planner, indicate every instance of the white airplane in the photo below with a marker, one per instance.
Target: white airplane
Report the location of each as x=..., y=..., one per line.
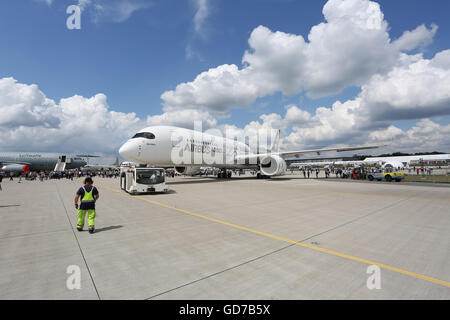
x=326, y=163
x=408, y=161
x=113, y=166
x=188, y=150
x=400, y=162
x=24, y=162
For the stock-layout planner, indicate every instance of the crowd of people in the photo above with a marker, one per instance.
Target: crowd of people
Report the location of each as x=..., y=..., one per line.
x=422, y=170
x=308, y=172
x=360, y=173
x=67, y=174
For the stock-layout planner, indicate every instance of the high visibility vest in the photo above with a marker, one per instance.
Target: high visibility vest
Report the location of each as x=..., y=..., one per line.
x=88, y=197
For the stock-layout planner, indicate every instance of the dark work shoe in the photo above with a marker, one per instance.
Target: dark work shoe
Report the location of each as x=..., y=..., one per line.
x=80, y=228
x=91, y=230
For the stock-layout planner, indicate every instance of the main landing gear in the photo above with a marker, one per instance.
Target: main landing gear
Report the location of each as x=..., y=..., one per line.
x=262, y=176
x=224, y=174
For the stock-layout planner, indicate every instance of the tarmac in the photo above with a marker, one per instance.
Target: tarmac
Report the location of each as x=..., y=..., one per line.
x=243, y=238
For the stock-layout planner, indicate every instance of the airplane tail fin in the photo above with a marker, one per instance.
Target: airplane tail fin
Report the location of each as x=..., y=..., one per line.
x=276, y=143
x=116, y=163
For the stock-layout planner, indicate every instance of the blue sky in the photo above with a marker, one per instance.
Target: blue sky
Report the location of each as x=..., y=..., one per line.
x=133, y=62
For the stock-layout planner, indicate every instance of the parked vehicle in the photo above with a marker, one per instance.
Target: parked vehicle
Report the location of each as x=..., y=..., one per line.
x=136, y=180
x=388, y=176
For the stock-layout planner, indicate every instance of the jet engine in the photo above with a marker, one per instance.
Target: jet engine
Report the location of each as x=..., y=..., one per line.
x=273, y=165
x=16, y=168
x=189, y=171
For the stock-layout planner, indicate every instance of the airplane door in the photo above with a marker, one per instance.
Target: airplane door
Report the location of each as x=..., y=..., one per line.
x=139, y=150
x=122, y=181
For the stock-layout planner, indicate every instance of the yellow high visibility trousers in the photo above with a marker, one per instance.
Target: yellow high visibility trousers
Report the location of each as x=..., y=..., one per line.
x=82, y=216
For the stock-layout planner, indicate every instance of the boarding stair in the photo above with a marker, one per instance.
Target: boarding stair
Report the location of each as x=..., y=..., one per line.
x=61, y=164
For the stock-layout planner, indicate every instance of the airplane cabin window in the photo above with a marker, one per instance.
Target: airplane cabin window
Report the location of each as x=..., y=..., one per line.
x=146, y=135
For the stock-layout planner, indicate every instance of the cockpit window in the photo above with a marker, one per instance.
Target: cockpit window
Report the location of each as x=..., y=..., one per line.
x=146, y=135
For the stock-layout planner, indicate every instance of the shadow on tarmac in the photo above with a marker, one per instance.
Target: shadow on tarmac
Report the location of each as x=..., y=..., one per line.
x=216, y=180
x=194, y=180
x=170, y=191
x=107, y=228
x=10, y=205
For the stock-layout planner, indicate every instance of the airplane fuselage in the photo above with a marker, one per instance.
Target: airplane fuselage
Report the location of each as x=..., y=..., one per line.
x=188, y=150
x=37, y=161
x=167, y=146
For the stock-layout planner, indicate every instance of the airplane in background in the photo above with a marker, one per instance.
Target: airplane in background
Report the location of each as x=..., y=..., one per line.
x=161, y=145
x=114, y=166
x=326, y=163
x=24, y=162
x=399, y=162
x=407, y=161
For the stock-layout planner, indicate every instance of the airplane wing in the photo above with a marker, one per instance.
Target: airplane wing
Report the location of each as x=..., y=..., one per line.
x=319, y=151
x=301, y=152
x=303, y=164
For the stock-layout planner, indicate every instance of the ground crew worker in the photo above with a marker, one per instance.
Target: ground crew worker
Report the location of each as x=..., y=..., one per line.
x=89, y=195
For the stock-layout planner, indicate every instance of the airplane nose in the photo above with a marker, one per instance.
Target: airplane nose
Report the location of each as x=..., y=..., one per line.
x=128, y=151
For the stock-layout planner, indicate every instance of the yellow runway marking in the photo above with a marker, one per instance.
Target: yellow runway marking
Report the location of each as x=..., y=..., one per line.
x=296, y=189
x=335, y=253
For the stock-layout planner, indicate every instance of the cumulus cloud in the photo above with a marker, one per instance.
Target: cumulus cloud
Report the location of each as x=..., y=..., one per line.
x=268, y=126
x=351, y=46
x=412, y=91
x=337, y=124
x=297, y=117
x=421, y=36
x=418, y=90
x=336, y=127
x=183, y=118
x=25, y=105
x=387, y=134
x=213, y=90
x=425, y=135
x=31, y=120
